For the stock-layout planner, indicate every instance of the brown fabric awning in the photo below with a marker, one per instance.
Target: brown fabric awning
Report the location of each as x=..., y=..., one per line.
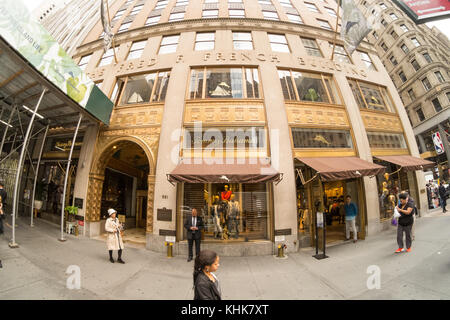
x=408, y=163
x=341, y=168
x=252, y=171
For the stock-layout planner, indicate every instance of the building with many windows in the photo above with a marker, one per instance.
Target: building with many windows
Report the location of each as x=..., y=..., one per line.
x=417, y=59
x=235, y=108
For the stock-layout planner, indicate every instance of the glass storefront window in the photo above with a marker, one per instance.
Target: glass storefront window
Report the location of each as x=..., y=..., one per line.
x=321, y=138
x=145, y=88
x=386, y=140
x=230, y=212
x=308, y=87
x=370, y=96
x=224, y=83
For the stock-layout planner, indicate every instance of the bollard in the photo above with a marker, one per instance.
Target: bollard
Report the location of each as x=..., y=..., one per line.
x=280, y=251
x=169, y=249
x=76, y=230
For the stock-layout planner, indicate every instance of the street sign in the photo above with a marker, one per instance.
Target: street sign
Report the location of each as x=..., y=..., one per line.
x=421, y=11
x=438, y=145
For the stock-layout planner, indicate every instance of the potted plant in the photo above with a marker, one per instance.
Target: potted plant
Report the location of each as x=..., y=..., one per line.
x=72, y=211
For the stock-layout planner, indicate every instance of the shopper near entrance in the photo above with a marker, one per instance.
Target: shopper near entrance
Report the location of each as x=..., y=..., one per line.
x=443, y=196
x=114, y=239
x=351, y=211
x=206, y=284
x=194, y=227
x=405, y=222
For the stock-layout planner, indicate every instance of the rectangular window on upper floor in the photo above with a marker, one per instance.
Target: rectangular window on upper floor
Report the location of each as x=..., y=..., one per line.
x=415, y=42
x=404, y=48
x=161, y=4
x=331, y=12
x=311, y=47
x=321, y=138
x=366, y=60
x=224, y=83
x=234, y=1
x=136, y=9
x=426, y=84
x=84, y=61
x=286, y=3
x=143, y=89
x=169, y=44
x=124, y=27
x=437, y=104
x=295, y=18
x=402, y=76
x=152, y=20
x=278, y=42
x=420, y=114
x=382, y=140
x=266, y=2
x=108, y=57
x=211, y=1
x=324, y=24
x=136, y=49
x=384, y=46
x=383, y=22
x=205, y=41
x=427, y=57
x=236, y=13
x=270, y=15
x=210, y=13
x=383, y=6
x=393, y=60
x=180, y=3
x=308, y=87
x=439, y=76
x=340, y=54
x=242, y=41
x=394, y=34
x=177, y=16
x=448, y=96
x=371, y=96
x=375, y=35
x=118, y=15
x=312, y=7
x=404, y=28
x=415, y=64
x=411, y=95
x=393, y=16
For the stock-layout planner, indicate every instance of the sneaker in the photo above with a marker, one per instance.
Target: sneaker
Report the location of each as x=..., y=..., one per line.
x=408, y=250
x=399, y=250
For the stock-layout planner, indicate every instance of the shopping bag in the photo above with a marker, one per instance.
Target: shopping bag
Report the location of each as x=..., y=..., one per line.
x=396, y=213
x=394, y=222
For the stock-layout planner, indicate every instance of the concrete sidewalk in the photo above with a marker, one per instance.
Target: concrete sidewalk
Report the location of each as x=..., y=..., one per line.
x=36, y=270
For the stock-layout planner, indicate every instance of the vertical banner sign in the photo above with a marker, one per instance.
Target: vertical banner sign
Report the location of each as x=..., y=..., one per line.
x=35, y=44
x=438, y=145
x=421, y=11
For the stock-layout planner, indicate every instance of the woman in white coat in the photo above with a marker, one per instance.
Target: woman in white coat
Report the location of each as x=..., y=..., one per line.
x=114, y=240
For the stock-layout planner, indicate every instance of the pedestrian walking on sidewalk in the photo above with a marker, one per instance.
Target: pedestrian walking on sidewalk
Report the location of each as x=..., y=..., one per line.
x=405, y=222
x=193, y=225
x=114, y=239
x=206, y=284
x=3, y=196
x=351, y=211
x=443, y=196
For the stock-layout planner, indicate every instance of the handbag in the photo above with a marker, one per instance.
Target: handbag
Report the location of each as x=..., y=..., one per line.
x=396, y=213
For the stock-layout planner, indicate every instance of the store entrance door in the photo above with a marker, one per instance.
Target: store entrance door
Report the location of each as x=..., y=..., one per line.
x=141, y=208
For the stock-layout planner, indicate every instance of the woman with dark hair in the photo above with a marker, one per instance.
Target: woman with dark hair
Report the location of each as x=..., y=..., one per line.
x=206, y=284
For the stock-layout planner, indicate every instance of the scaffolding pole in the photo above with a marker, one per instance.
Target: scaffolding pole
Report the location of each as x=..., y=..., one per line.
x=13, y=243
x=66, y=177
x=36, y=174
x=6, y=130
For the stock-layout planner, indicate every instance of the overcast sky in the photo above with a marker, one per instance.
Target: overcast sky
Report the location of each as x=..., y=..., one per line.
x=443, y=25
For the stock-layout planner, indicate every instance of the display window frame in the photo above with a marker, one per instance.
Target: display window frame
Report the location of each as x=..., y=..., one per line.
x=388, y=103
x=268, y=229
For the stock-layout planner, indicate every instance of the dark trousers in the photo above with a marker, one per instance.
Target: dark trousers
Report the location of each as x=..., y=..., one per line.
x=197, y=247
x=407, y=231
x=1, y=224
x=444, y=204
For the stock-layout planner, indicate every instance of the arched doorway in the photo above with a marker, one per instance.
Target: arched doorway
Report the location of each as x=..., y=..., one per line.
x=122, y=177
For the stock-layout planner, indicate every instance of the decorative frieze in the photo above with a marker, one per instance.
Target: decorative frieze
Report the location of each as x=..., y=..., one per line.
x=381, y=122
x=230, y=113
x=318, y=116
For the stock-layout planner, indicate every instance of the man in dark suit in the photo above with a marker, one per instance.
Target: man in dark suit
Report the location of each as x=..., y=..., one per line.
x=194, y=226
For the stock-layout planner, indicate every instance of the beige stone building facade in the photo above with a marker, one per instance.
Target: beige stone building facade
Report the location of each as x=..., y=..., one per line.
x=417, y=59
x=190, y=72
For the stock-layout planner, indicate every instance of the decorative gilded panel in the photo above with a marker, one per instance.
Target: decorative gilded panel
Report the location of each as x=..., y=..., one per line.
x=381, y=122
x=224, y=112
x=136, y=116
x=317, y=116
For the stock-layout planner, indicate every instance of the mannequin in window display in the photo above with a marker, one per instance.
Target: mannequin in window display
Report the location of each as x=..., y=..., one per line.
x=215, y=213
x=226, y=195
x=233, y=217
